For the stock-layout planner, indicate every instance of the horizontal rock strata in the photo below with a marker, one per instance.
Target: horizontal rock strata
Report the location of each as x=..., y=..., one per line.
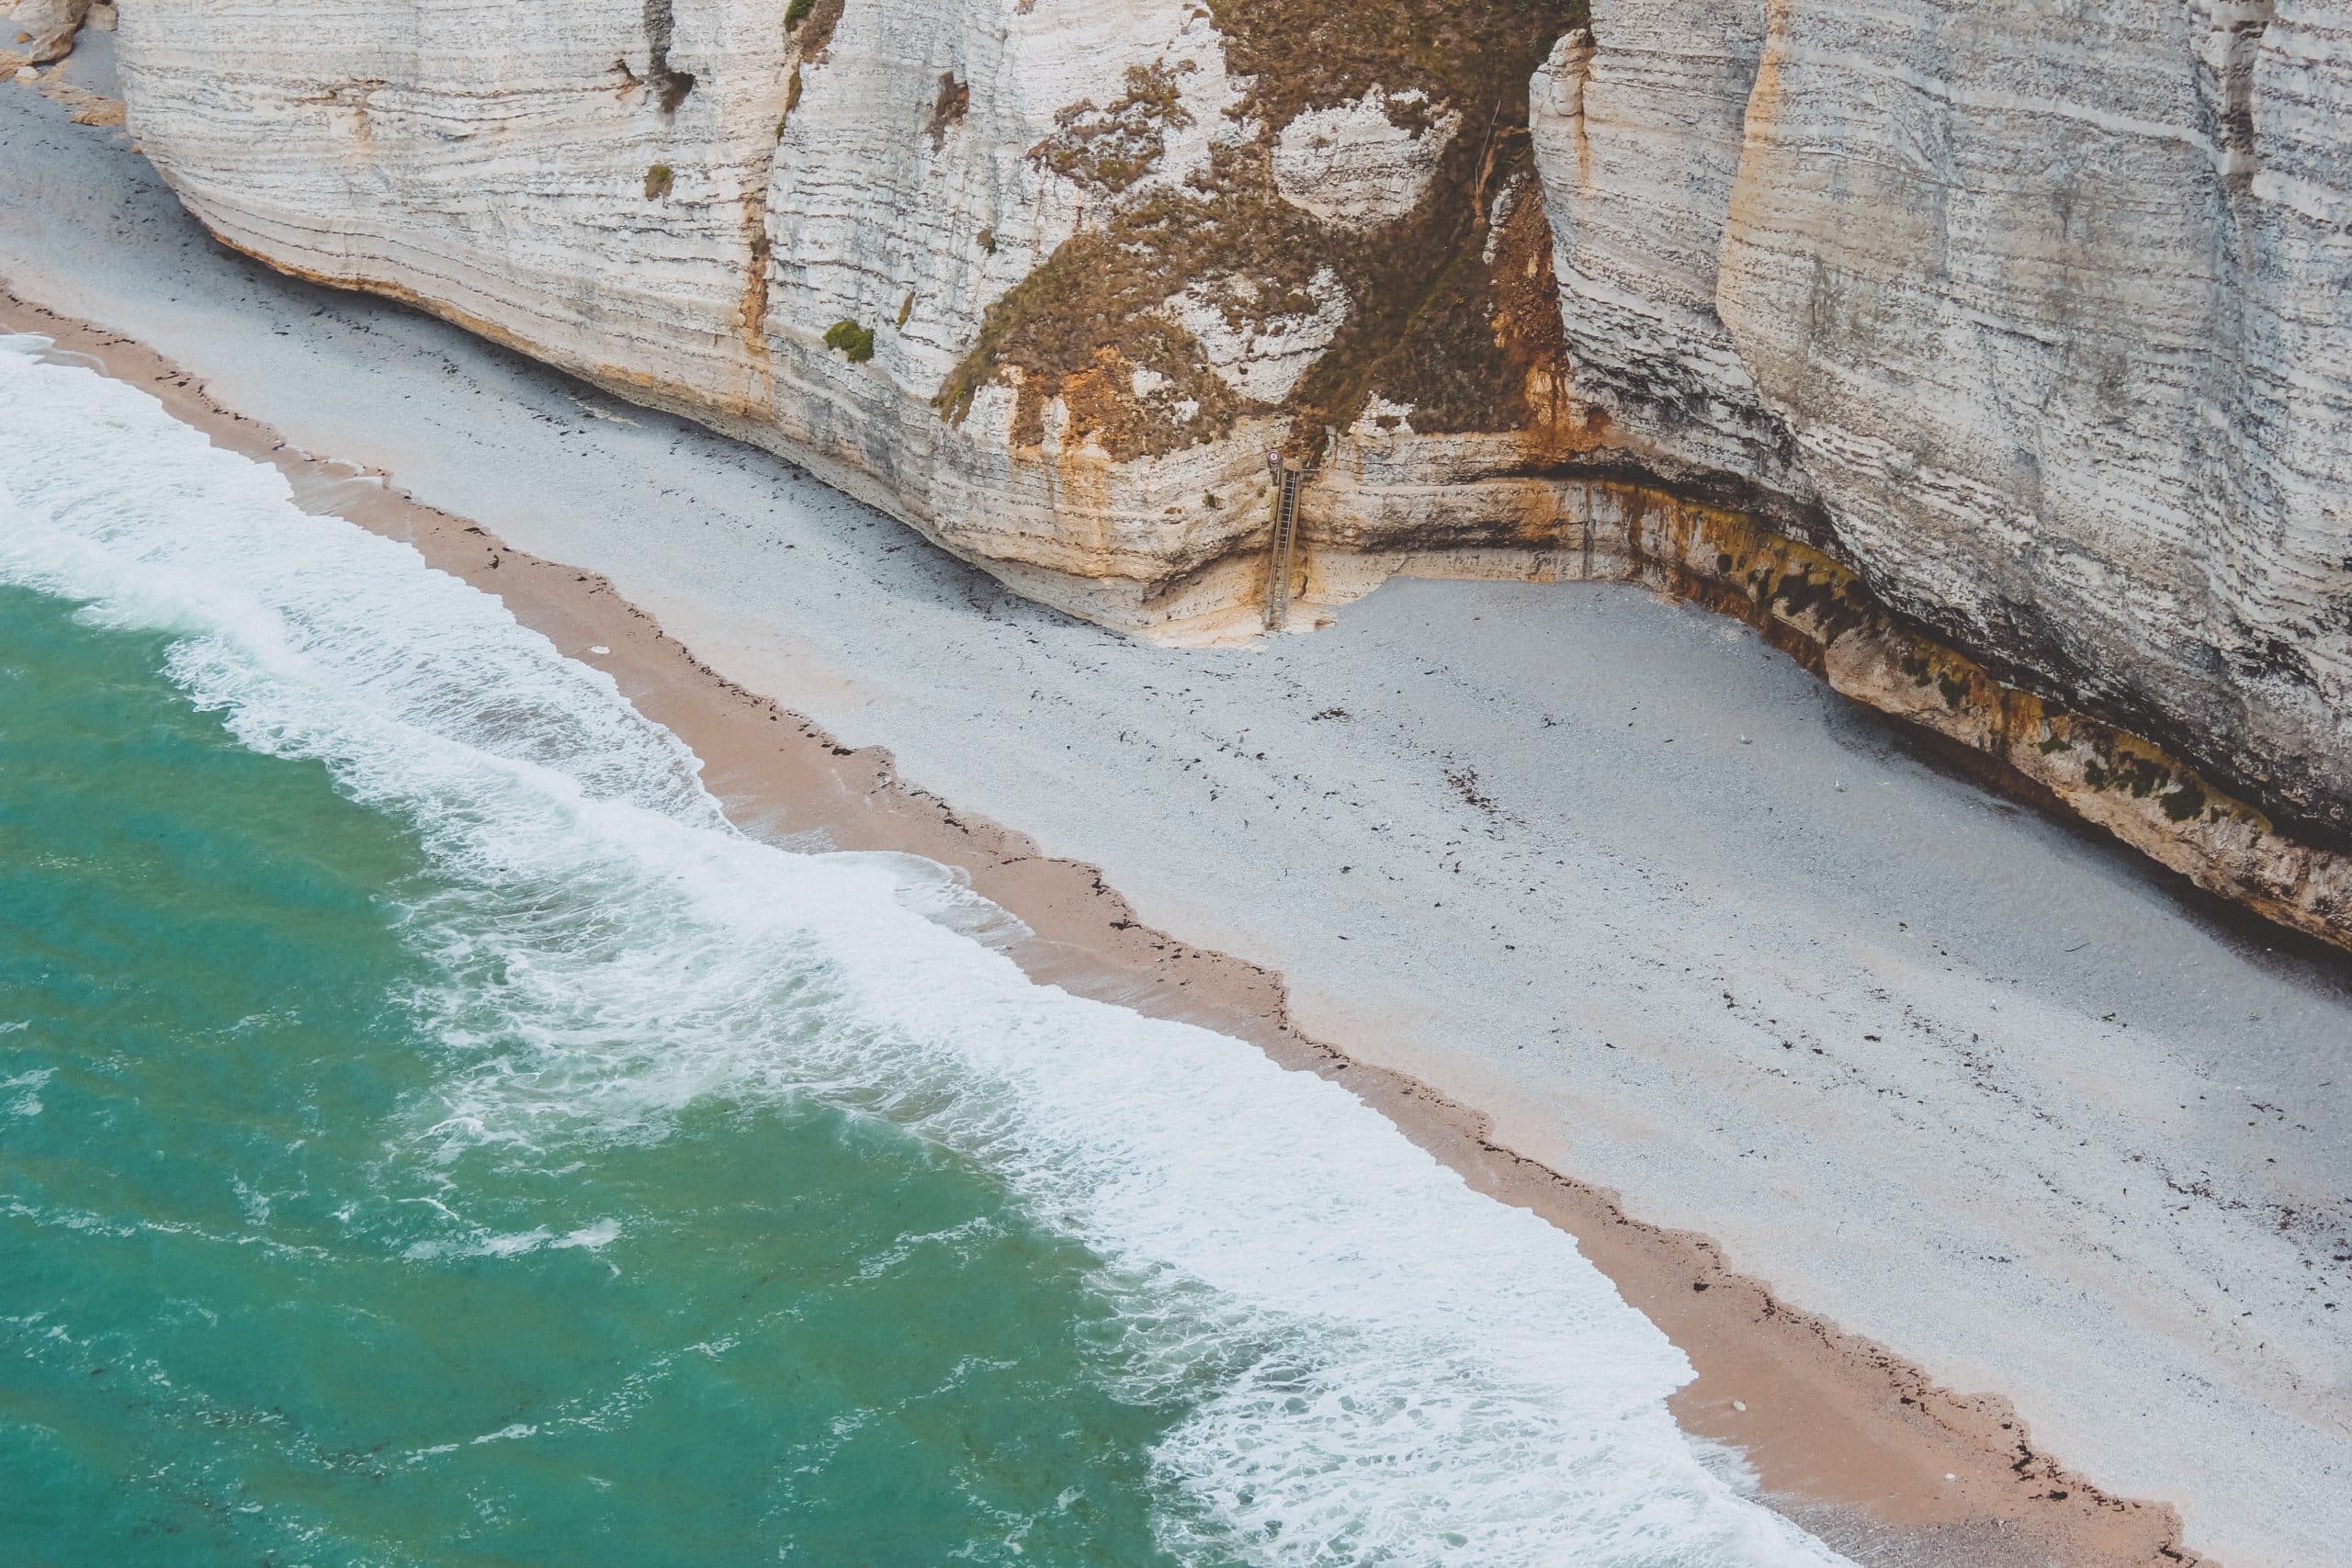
x=2029, y=328
x=1090, y=260
x=2044, y=316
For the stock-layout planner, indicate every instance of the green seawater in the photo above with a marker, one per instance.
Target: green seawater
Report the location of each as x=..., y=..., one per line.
x=250, y=1312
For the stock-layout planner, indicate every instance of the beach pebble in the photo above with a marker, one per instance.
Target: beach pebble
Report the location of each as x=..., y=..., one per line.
x=599, y=647
x=1739, y=1404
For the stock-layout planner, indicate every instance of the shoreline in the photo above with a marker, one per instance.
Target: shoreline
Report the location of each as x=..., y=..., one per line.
x=1845, y=1435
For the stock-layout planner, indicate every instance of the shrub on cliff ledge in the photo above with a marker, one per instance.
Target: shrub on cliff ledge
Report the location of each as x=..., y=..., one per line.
x=1112, y=148
x=658, y=180
x=855, y=343
x=1435, y=318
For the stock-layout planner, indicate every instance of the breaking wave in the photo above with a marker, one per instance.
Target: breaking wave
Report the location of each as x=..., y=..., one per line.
x=1377, y=1365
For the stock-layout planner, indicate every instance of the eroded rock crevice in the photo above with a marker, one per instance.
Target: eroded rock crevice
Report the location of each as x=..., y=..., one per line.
x=668, y=85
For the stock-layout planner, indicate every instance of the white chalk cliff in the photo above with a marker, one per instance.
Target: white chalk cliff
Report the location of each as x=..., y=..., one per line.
x=2045, y=311
x=1995, y=357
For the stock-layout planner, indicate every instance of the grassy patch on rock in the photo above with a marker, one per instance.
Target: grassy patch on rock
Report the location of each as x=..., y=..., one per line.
x=1111, y=148
x=1428, y=323
x=854, y=343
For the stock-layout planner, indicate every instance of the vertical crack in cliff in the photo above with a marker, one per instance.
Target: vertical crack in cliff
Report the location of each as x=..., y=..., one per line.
x=1483, y=336
x=758, y=246
x=670, y=87
x=2242, y=28
x=810, y=24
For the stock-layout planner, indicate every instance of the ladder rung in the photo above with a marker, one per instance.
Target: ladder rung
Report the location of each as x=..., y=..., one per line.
x=1284, y=543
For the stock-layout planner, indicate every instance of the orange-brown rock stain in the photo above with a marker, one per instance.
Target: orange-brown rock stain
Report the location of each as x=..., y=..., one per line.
x=752, y=311
x=1817, y=611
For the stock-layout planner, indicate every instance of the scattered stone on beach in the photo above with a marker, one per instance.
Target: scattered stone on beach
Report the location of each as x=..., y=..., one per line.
x=46, y=28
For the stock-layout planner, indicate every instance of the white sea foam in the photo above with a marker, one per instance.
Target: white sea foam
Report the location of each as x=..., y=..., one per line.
x=1380, y=1365
x=20, y=1095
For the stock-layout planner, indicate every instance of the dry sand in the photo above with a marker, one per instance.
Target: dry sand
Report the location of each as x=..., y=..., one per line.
x=1677, y=921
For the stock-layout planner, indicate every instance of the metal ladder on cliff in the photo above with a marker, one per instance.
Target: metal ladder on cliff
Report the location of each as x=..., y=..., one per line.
x=1288, y=476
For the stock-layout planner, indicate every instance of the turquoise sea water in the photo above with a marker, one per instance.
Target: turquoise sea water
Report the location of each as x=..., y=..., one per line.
x=249, y=1304
x=430, y=1133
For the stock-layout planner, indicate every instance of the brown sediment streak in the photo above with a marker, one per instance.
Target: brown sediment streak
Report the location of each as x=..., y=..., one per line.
x=1854, y=1439
x=755, y=276
x=815, y=34
x=758, y=245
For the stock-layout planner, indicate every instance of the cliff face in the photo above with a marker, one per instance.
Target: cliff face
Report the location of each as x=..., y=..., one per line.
x=2045, y=312
x=1986, y=354
x=1082, y=263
